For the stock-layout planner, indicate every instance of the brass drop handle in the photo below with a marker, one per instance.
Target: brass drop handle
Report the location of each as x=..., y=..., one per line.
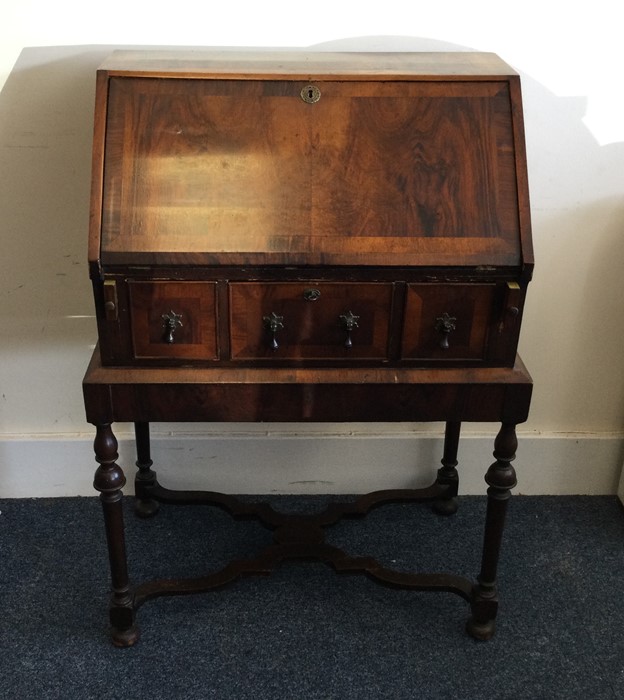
x=172, y=320
x=444, y=325
x=349, y=321
x=273, y=324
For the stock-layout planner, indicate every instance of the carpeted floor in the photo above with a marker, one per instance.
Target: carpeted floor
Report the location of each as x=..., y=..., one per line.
x=306, y=633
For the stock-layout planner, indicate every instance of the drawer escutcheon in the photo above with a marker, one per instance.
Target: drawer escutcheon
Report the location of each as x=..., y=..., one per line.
x=311, y=294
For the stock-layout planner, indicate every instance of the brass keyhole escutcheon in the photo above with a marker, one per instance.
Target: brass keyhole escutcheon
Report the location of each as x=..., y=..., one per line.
x=311, y=294
x=310, y=94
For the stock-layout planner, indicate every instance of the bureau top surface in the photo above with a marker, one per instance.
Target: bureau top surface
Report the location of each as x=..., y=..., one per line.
x=306, y=64
x=289, y=158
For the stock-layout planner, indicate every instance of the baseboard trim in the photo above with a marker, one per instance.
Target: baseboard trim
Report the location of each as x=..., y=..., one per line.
x=293, y=462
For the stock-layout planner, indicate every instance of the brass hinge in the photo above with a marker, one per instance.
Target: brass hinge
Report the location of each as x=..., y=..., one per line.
x=511, y=307
x=110, y=300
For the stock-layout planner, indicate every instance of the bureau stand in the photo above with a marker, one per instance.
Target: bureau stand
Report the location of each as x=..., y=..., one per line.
x=143, y=395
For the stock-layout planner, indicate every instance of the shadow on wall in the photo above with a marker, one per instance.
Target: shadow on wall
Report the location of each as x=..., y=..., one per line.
x=46, y=114
x=574, y=326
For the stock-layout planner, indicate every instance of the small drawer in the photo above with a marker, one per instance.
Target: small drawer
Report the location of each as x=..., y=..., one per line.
x=309, y=321
x=448, y=321
x=174, y=320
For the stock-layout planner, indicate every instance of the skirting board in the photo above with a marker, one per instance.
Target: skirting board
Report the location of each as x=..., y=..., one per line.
x=288, y=461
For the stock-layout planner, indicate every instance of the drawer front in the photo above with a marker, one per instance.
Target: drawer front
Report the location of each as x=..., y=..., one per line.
x=175, y=320
x=309, y=321
x=448, y=321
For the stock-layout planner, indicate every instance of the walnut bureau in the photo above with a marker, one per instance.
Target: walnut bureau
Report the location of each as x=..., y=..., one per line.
x=292, y=236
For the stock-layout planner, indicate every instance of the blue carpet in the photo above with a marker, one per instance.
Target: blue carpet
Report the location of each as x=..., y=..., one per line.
x=304, y=632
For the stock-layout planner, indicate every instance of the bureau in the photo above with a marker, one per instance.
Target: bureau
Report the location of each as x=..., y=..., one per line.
x=306, y=236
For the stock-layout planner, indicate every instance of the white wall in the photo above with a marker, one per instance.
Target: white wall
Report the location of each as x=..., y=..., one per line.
x=570, y=60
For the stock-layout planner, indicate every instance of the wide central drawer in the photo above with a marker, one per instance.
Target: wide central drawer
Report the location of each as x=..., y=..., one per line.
x=291, y=320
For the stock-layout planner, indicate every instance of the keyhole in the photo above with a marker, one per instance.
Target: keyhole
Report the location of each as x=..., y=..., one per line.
x=310, y=94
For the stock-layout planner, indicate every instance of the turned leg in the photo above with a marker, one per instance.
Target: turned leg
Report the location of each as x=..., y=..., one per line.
x=145, y=481
x=447, y=475
x=501, y=478
x=109, y=480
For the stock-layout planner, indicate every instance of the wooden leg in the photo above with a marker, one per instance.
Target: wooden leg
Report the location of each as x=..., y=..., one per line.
x=447, y=475
x=145, y=481
x=109, y=480
x=501, y=478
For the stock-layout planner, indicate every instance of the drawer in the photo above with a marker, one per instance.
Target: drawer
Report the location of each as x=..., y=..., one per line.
x=174, y=320
x=309, y=321
x=448, y=321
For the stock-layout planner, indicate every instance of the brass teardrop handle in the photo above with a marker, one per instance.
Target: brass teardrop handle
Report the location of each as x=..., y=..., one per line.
x=172, y=320
x=348, y=321
x=444, y=325
x=273, y=323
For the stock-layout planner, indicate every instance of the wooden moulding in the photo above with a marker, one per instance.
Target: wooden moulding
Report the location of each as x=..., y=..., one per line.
x=350, y=394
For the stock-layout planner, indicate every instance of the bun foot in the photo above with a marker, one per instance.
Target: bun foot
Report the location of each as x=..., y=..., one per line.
x=447, y=506
x=125, y=638
x=481, y=630
x=146, y=508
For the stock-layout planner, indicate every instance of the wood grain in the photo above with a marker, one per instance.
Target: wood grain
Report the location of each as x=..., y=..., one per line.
x=245, y=172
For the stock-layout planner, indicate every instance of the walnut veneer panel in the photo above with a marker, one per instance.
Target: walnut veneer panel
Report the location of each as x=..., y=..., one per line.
x=470, y=309
x=190, y=309
x=312, y=322
x=246, y=172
